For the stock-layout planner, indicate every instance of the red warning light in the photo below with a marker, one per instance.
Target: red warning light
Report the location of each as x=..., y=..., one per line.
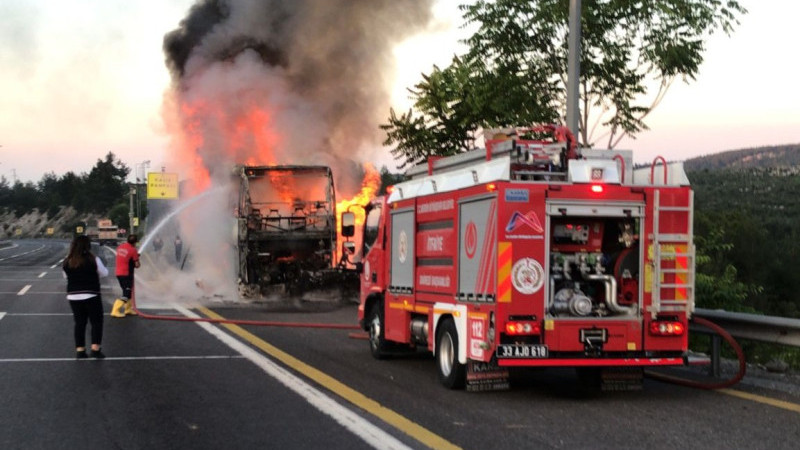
x=597, y=188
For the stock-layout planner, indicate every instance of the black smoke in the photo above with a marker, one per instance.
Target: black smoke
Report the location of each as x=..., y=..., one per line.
x=331, y=60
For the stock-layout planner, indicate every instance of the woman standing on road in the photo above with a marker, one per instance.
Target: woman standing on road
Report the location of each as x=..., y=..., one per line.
x=83, y=271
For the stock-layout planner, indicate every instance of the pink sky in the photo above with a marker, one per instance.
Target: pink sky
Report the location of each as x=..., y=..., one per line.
x=84, y=78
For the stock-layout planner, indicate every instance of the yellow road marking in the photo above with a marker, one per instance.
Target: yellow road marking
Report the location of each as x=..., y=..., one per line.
x=761, y=399
x=398, y=421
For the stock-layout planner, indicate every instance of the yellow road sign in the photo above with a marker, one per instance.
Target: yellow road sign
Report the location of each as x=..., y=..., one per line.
x=162, y=185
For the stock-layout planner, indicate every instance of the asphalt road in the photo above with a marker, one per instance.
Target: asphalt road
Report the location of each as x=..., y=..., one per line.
x=170, y=384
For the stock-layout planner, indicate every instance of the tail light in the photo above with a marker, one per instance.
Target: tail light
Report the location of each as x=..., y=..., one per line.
x=597, y=188
x=520, y=328
x=667, y=328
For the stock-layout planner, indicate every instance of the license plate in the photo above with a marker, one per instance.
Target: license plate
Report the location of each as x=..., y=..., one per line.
x=521, y=351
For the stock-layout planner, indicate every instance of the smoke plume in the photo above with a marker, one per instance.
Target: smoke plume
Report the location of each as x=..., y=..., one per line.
x=262, y=82
x=316, y=71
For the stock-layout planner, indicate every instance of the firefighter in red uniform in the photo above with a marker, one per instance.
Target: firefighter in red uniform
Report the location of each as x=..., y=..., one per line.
x=127, y=261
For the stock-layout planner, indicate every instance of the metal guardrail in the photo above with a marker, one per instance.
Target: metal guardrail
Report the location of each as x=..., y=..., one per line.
x=770, y=329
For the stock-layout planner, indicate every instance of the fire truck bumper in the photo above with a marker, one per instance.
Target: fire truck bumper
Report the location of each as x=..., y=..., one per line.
x=596, y=362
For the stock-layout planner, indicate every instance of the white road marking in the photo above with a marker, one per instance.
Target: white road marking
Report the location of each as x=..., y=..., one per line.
x=121, y=358
x=38, y=314
x=24, y=290
x=22, y=254
x=356, y=424
x=2, y=314
x=41, y=275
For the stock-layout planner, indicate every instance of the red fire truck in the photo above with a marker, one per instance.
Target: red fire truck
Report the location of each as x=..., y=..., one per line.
x=523, y=255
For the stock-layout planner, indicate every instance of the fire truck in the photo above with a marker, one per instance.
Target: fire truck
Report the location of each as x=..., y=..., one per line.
x=525, y=254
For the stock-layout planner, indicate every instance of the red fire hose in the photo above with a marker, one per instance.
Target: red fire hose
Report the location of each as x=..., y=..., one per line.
x=654, y=375
x=260, y=323
x=701, y=385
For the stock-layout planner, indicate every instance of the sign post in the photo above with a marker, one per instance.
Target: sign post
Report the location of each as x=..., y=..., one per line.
x=162, y=185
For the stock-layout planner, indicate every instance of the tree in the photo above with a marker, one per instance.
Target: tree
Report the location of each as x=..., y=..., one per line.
x=119, y=215
x=517, y=60
x=456, y=102
x=105, y=184
x=389, y=179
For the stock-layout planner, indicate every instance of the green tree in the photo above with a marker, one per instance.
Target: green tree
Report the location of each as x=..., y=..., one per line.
x=515, y=70
x=24, y=197
x=105, y=185
x=389, y=179
x=119, y=215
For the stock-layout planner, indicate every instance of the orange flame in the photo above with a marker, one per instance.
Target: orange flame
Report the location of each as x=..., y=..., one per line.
x=369, y=188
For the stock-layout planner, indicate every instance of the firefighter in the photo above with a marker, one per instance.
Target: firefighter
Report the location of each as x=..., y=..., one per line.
x=127, y=261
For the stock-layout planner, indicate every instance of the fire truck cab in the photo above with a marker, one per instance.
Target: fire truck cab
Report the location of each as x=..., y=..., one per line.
x=517, y=256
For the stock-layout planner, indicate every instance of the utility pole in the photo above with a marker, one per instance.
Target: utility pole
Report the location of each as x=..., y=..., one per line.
x=130, y=213
x=574, y=68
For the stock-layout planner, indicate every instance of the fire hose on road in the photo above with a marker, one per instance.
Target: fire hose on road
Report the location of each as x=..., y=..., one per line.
x=260, y=323
x=651, y=374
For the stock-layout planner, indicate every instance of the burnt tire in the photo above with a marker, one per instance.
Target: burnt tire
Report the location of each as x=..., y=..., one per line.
x=375, y=326
x=452, y=374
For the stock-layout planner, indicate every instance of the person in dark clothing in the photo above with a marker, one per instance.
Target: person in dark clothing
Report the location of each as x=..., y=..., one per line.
x=157, y=245
x=83, y=271
x=178, y=249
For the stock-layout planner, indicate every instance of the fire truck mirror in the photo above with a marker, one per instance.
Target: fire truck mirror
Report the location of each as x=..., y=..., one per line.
x=348, y=221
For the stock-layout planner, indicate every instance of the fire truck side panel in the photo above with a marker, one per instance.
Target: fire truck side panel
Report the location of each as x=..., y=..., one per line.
x=437, y=244
x=401, y=274
x=521, y=283
x=477, y=249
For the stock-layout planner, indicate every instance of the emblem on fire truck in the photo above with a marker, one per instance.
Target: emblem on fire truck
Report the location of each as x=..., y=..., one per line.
x=471, y=239
x=402, y=246
x=530, y=219
x=527, y=276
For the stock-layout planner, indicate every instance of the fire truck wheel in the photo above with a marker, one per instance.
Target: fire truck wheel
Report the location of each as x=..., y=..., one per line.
x=452, y=373
x=377, y=342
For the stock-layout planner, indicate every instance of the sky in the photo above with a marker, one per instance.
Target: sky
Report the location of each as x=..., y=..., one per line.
x=83, y=78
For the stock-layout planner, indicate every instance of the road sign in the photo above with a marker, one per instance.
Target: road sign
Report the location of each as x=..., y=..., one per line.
x=50, y=230
x=162, y=185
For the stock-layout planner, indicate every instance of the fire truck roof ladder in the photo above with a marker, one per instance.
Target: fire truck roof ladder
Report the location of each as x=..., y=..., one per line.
x=517, y=151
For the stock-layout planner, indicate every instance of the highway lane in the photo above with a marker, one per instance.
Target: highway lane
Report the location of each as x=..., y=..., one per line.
x=163, y=385
x=215, y=396
x=544, y=409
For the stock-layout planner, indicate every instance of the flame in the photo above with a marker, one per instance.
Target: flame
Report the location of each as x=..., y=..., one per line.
x=212, y=135
x=369, y=188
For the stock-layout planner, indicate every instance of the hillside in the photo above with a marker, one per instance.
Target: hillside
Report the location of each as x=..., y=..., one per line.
x=746, y=215
x=773, y=156
x=35, y=224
